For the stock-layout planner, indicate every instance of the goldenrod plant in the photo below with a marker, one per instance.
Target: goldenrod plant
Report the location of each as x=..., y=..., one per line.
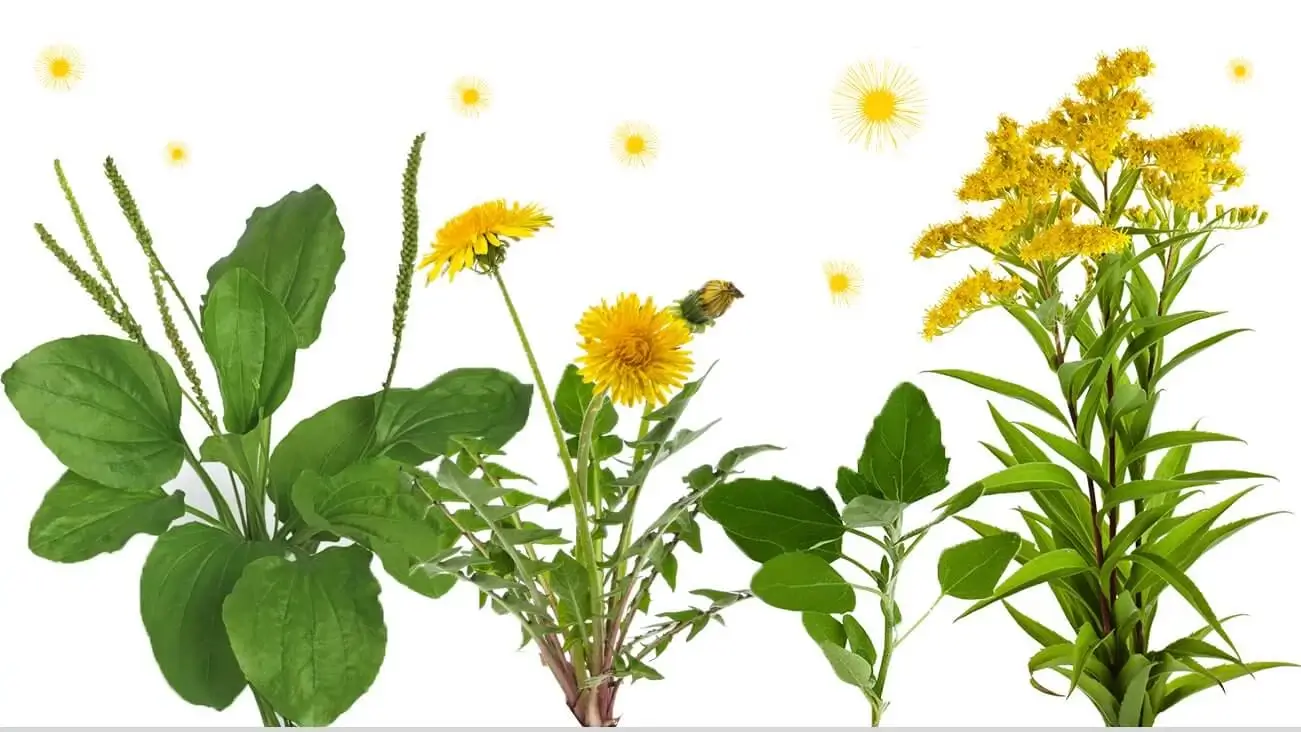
x=577, y=597
x=1094, y=230
x=798, y=534
x=249, y=592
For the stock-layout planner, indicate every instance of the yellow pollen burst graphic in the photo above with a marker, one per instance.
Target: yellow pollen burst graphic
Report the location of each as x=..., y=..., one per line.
x=177, y=153
x=1240, y=71
x=59, y=67
x=635, y=144
x=470, y=96
x=878, y=104
x=844, y=281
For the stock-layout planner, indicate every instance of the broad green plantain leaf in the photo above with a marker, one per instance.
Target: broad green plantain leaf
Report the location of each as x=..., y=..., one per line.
x=308, y=633
x=186, y=578
x=971, y=570
x=108, y=409
x=295, y=249
x=251, y=341
x=80, y=518
x=903, y=455
x=376, y=504
x=804, y=583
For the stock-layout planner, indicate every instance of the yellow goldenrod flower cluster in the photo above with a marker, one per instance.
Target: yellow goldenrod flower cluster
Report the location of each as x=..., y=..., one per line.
x=975, y=292
x=1013, y=166
x=1083, y=157
x=1069, y=239
x=1186, y=165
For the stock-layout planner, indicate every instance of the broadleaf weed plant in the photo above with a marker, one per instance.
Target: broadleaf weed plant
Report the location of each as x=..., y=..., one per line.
x=798, y=534
x=254, y=591
x=577, y=598
x=1094, y=231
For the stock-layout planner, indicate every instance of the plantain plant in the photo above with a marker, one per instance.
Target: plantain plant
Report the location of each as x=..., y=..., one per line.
x=247, y=593
x=799, y=534
x=1083, y=204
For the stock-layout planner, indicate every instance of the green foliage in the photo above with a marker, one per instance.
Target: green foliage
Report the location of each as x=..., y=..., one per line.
x=108, y=409
x=250, y=339
x=798, y=535
x=246, y=597
x=1108, y=526
x=318, y=612
x=80, y=518
x=294, y=248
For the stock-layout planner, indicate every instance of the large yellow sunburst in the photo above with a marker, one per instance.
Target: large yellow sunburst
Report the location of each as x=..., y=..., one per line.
x=844, y=281
x=59, y=67
x=1240, y=70
x=470, y=96
x=879, y=104
x=177, y=153
x=633, y=350
x=635, y=144
x=471, y=235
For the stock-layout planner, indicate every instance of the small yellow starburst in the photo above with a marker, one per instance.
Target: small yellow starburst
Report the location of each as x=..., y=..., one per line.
x=635, y=144
x=1239, y=70
x=844, y=281
x=470, y=96
x=177, y=153
x=879, y=104
x=633, y=350
x=59, y=67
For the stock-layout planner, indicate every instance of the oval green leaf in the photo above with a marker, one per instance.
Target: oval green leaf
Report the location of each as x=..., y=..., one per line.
x=573, y=395
x=108, y=409
x=186, y=577
x=309, y=633
x=802, y=582
x=295, y=249
x=903, y=455
x=80, y=518
x=767, y=518
x=251, y=341
x=971, y=570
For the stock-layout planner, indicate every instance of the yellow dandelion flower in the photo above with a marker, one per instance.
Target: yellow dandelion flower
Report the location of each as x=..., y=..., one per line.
x=844, y=281
x=470, y=96
x=477, y=239
x=177, y=153
x=880, y=104
x=634, y=351
x=1068, y=239
x=59, y=67
x=974, y=293
x=635, y=144
x=1240, y=70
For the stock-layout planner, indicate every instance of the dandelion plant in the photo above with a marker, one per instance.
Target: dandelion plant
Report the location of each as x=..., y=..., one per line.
x=577, y=598
x=1094, y=231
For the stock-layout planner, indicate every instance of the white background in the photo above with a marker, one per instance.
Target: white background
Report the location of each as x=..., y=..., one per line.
x=754, y=184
